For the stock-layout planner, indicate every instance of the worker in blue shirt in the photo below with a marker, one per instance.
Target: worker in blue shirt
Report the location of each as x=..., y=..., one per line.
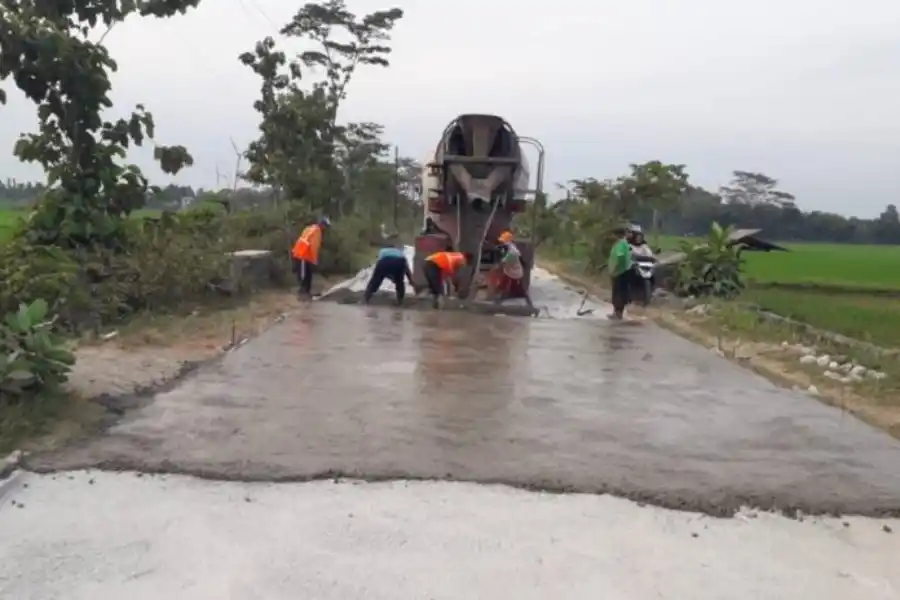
x=391, y=264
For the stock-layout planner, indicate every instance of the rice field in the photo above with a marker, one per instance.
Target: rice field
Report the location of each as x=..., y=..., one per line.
x=835, y=267
x=9, y=220
x=853, y=290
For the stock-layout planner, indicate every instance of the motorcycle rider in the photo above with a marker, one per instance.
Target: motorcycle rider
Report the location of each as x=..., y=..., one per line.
x=642, y=254
x=639, y=245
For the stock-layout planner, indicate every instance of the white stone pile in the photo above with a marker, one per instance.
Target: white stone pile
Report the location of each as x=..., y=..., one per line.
x=836, y=367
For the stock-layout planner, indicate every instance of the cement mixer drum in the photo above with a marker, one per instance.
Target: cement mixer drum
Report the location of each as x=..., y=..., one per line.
x=473, y=185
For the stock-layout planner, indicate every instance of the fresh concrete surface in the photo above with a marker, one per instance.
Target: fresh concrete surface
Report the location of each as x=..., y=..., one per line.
x=115, y=536
x=560, y=403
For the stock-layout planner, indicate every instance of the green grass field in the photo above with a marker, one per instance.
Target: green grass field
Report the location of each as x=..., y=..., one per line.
x=11, y=219
x=853, y=290
x=874, y=319
x=832, y=266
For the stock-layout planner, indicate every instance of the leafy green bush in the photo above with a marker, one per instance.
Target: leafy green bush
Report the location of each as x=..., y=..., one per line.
x=710, y=268
x=33, y=360
x=344, y=246
x=29, y=272
x=163, y=262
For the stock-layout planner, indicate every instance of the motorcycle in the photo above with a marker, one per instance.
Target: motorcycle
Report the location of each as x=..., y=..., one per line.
x=645, y=277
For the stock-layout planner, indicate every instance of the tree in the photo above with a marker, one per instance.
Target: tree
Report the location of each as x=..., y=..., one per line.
x=655, y=185
x=345, y=42
x=48, y=54
x=301, y=147
x=698, y=208
x=754, y=189
x=359, y=156
x=887, y=227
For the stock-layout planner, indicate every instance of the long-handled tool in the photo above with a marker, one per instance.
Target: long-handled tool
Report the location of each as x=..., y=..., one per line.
x=582, y=311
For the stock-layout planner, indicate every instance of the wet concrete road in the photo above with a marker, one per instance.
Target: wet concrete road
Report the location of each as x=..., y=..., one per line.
x=577, y=404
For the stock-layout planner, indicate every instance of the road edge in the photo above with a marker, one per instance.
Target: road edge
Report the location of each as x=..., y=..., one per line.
x=848, y=402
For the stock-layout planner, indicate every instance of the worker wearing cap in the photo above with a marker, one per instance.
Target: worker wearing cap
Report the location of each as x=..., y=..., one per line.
x=441, y=267
x=305, y=253
x=510, y=274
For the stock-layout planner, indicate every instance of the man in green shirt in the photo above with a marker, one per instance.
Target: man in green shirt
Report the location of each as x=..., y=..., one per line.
x=620, y=271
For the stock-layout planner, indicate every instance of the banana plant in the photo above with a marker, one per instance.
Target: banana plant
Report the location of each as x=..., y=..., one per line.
x=33, y=359
x=712, y=267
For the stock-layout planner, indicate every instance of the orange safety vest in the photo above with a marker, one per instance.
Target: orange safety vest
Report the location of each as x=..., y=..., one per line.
x=449, y=262
x=307, y=245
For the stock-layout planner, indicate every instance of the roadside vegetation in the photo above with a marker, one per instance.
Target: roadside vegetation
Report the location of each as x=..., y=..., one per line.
x=97, y=245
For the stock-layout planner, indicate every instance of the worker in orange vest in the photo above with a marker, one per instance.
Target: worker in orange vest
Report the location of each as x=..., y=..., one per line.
x=305, y=253
x=441, y=267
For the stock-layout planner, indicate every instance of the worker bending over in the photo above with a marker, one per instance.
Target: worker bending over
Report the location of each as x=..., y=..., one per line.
x=305, y=254
x=442, y=267
x=391, y=264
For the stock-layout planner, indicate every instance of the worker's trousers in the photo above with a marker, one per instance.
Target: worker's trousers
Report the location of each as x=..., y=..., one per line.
x=389, y=267
x=434, y=277
x=303, y=269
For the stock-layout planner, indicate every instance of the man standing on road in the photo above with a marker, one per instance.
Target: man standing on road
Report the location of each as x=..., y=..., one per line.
x=391, y=264
x=620, y=271
x=305, y=254
x=440, y=268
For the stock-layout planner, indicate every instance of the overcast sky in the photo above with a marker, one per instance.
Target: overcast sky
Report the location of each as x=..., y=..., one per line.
x=806, y=91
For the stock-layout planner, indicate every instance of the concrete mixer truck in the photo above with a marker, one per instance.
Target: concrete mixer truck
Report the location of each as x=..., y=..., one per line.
x=473, y=185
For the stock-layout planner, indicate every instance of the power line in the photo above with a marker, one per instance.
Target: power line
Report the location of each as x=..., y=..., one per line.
x=259, y=9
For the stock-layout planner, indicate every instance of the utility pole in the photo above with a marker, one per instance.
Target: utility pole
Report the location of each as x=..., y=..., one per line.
x=237, y=165
x=396, y=187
